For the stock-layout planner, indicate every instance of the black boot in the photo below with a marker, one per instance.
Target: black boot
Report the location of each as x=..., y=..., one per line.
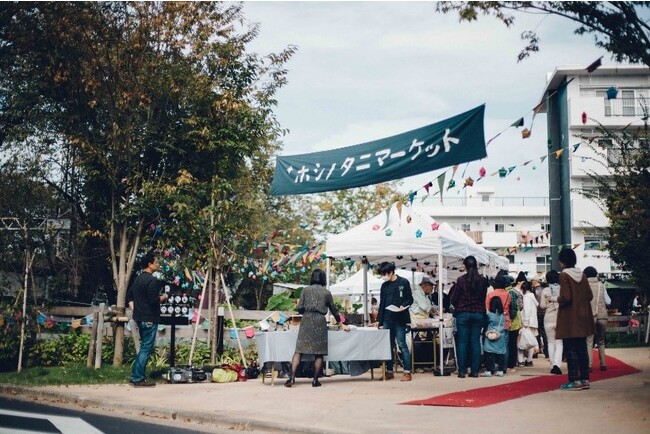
x=315, y=382
x=290, y=382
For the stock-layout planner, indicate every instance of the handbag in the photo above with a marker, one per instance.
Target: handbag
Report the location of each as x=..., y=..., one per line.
x=493, y=333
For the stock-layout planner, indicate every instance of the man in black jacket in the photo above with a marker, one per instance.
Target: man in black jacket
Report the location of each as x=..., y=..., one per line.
x=144, y=299
x=396, y=297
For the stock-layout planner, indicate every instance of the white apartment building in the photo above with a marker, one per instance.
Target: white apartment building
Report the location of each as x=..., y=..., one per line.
x=577, y=104
x=515, y=227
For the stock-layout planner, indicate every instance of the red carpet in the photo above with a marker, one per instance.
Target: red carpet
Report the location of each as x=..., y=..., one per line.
x=504, y=392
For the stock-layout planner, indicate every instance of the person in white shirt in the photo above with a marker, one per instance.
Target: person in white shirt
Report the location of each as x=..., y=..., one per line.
x=422, y=307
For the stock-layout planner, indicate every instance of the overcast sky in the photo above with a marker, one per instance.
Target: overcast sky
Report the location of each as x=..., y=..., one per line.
x=368, y=70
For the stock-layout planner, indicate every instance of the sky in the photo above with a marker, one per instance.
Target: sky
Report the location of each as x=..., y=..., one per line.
x=368, y=70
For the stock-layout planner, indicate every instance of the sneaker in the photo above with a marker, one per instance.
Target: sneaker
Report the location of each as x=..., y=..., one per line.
x=585, y=384
x=528, y=364
x=499, y=374
x=572, y=385
x=389, y=376
x=556, y=370
x=487, y=374
x=419, y=371
x=142, y=383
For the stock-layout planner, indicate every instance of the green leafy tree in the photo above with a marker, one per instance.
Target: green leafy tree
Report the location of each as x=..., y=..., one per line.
x=151, y=96
x=624, y=196
x=620, y=28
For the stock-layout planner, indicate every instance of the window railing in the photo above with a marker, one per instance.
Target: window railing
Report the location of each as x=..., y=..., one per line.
x=631, y=107
x=477, y=202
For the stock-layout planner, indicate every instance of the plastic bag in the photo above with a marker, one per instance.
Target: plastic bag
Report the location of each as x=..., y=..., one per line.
x=527, y=339
x=220, y=375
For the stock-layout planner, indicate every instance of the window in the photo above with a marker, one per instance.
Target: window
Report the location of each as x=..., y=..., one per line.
x=628, y=102
x=543, y=263
x=465, y=227
x=594, y=242
x=485, y=197
x=499, y=227
x=511, y=258
x=613, y=153
x=602, y=93
x=546, y=227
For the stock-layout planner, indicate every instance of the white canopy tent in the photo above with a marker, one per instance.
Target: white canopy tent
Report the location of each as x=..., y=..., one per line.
x=411, y=241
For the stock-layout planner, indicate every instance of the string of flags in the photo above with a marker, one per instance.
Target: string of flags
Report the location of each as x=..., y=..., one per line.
x=63, y=324
x=525, y=133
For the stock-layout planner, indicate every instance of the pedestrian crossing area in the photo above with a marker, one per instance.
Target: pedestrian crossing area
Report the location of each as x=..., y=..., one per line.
x=21, y=422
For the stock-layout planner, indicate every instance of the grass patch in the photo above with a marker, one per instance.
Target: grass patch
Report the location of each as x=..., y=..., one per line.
x=61, y=375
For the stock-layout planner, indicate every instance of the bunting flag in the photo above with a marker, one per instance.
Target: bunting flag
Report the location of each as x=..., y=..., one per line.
x=541, y=160
x=76, y=323
x=558, y=153
x=510, y=169
x=575, y=147
x=441, y=183
x=427, y=186
x=595, y=65
x=518, y=123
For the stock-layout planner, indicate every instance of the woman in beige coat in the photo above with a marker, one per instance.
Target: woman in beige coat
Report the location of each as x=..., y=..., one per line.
x=599, y=308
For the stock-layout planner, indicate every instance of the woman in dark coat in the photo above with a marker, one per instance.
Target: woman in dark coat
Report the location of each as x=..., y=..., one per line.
x=314, y=302
x=575, y=320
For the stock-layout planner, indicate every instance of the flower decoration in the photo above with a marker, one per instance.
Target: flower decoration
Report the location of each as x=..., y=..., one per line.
x=375, y=227
x=418, y=234
x=389, y=232
x=435, y=226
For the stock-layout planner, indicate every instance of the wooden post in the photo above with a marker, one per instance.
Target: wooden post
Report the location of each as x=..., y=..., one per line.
x=93, y=336
x=100, y=335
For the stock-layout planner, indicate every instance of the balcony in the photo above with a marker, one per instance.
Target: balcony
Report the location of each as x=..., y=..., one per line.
x=630, y=107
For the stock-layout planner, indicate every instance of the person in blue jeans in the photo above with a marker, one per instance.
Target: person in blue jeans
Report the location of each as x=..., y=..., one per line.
x=468, y=298
x=396, y=292
x=144, y=298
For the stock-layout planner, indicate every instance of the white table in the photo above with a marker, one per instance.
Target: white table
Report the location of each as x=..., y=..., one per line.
x=365, y=343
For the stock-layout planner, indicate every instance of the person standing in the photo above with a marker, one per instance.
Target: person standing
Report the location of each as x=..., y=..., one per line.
x=550, y=305
x=315, y=300
x=499, y=285
x=395, y=292
x=469, y=303
x=495, y=348
x=541, y=337
x=575, y=319
x=529, y=320
x=144, y=298
x=599, y=304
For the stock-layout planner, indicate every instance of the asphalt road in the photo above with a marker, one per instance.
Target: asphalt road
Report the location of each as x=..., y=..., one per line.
x=17, y=416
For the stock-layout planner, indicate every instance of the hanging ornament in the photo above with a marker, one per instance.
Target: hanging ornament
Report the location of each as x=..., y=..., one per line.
x=481, y=172
x=469, y=182
x=503, y=172
x=584, y=118
x=525, y=133
x=611, y=93
x=452, y=184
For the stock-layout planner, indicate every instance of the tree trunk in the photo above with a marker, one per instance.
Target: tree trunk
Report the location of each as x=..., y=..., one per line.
x=123, y=264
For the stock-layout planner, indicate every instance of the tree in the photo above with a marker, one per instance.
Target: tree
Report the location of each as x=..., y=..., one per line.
x=624, y=195
x=617, y=27
x=151, y=96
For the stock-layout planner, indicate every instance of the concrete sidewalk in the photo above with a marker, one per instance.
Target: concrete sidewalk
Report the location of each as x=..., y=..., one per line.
x=358, y=405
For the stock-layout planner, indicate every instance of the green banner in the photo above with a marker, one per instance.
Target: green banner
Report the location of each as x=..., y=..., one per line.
x=452, y=141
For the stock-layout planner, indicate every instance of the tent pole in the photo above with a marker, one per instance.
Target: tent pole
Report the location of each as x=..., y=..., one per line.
x=365, y=292
x=441, y=321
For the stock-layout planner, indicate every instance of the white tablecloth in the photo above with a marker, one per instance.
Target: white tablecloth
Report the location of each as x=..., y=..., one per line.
x=360, y=344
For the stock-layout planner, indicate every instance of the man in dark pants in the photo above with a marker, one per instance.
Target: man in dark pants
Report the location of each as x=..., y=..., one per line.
x=144, y=299
x=541, y=338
